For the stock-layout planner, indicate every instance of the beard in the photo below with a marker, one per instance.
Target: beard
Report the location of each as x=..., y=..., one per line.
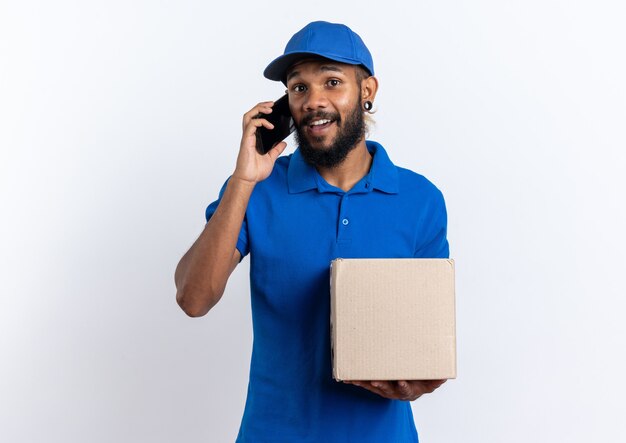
x=349, y=133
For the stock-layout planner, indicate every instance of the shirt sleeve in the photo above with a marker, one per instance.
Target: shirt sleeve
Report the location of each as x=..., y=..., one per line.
x=435, y=244
x=242, y=240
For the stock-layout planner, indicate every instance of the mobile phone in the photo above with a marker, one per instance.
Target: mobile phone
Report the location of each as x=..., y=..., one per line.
x=282, y=120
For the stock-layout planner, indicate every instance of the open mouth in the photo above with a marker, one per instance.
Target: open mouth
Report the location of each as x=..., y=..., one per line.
x=320, y=125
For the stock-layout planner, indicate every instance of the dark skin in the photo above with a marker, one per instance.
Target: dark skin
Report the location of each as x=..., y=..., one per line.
x=202, y=273
x=316, y=85
x=329, y=86
x=407, y=390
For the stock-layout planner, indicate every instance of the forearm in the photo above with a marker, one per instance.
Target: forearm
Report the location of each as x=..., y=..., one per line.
x=202, y=273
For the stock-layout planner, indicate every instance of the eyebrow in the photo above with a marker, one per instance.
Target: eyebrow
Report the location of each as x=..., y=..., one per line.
x=323, y=68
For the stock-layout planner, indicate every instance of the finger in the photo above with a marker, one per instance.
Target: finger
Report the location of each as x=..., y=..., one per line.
x=434, y=384
x=375, y=389
x=262, y=111
x=383, y=386
x=260, y=108
x=248, y=118
x=250, y=128
x=426, y=386
x=261, y=105
x=370, y=386
x=405, y=389
x=278, y=149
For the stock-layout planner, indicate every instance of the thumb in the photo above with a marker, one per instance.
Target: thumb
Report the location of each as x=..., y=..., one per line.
x=277, y=150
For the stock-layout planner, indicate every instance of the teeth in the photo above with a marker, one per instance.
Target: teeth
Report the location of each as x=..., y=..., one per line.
x=320, y=122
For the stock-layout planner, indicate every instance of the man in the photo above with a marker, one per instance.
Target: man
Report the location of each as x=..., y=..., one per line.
x=337, y=195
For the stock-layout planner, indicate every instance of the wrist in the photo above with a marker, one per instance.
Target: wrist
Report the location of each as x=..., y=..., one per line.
x=241, y=182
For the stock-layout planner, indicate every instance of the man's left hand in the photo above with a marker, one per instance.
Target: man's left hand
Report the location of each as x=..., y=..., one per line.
x=407, y=390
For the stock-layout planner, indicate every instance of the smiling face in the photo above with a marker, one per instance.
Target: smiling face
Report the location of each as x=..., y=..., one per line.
x=325, y=101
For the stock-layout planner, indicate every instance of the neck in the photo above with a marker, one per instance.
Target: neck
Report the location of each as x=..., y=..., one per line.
x=348, y=173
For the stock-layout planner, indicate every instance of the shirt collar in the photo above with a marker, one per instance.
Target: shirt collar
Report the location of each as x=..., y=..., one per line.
x=383, y=173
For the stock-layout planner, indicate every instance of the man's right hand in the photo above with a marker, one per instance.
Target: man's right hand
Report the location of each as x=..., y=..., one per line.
x=251, y=166
x=202, y=273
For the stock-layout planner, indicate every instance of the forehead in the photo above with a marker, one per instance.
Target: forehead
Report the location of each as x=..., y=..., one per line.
x=317, y=66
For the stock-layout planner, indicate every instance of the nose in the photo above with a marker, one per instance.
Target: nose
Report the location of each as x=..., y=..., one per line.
x=315, y=99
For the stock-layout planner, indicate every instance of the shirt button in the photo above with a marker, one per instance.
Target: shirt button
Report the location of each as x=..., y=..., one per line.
x=345, y=221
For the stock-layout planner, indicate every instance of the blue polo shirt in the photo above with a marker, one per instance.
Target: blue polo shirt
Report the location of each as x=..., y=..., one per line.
x=295, y=224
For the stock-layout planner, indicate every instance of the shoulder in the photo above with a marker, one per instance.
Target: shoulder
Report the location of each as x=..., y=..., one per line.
x=409, y=184
x=415, y=184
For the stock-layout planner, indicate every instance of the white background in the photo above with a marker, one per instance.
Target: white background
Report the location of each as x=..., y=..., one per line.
x=120, y=120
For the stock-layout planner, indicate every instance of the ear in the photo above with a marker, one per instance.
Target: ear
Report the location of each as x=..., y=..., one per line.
x=369, y=87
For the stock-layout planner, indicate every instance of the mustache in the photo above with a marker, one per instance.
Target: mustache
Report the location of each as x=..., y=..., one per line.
x=309, y=118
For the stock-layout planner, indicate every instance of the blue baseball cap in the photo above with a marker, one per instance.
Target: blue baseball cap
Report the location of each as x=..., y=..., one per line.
x=333, y=41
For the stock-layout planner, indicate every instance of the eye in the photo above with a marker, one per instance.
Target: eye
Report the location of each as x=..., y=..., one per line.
x=298, y=88
x=334, y=82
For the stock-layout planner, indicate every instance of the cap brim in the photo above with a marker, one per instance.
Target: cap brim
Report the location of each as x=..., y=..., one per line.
x=277, y=69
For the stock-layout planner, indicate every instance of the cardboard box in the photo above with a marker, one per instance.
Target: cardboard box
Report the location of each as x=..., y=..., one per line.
x=393, y=319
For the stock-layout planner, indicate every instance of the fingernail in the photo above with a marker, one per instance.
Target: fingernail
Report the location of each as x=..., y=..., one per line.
x=376, y=385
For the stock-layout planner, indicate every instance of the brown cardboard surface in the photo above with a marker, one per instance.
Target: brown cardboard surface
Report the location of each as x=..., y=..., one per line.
x=393, y=319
